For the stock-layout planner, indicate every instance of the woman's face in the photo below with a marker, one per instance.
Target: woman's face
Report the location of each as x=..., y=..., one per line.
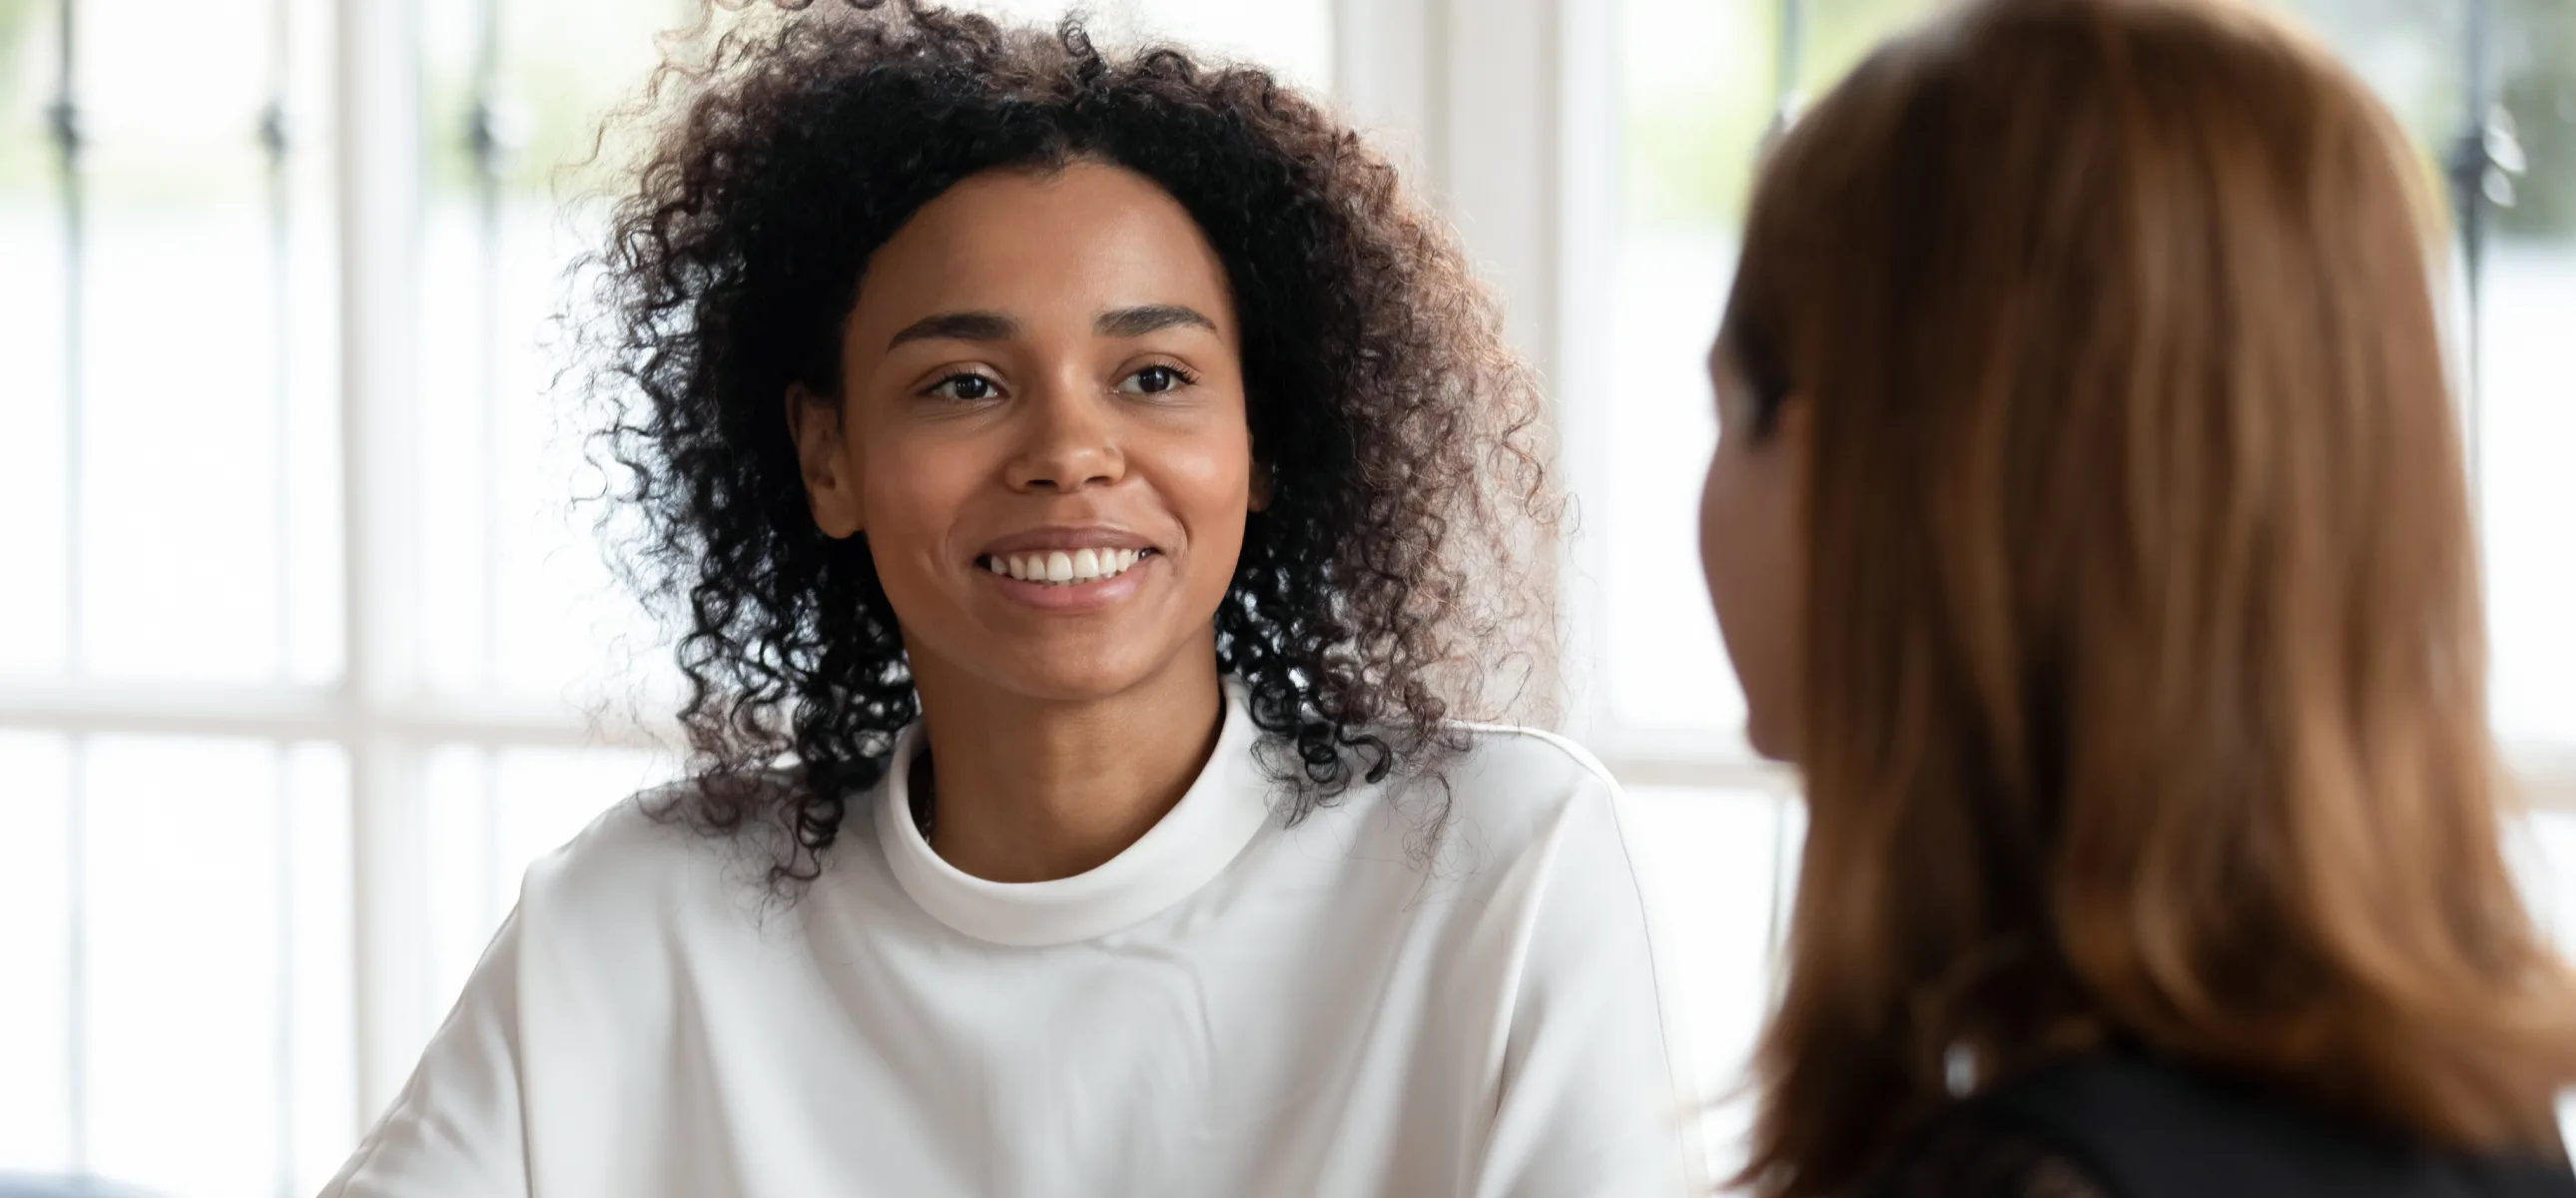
x=1041, y=433
x=1752, y=546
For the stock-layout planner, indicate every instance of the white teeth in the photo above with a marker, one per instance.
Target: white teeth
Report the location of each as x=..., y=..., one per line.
x=1065, y=568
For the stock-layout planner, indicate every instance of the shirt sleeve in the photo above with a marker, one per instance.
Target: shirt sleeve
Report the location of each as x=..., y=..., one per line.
x=1591, y=1103
x=455, y=1129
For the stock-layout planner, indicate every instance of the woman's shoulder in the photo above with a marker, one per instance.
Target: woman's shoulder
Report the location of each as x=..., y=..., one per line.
x=1509, y=766
x=2131, y=1126
x=653, y=849
x=1966, y=1156
x=1508, y=792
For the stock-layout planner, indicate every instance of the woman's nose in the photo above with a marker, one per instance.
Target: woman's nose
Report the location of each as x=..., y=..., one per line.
x=1068, y=442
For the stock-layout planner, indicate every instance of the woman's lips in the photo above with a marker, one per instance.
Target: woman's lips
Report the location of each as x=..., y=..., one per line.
x=1078, y=581
x=1060, y=567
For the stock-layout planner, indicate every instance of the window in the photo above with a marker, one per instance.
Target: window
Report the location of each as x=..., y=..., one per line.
x=302, y=642
x=171, y=613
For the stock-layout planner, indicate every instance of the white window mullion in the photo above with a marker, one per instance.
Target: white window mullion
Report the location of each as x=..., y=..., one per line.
x=1588, y=155
x=276, y=147
x=376, y=79
x=65, y=127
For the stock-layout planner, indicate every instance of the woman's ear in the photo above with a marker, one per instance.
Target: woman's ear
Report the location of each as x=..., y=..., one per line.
x=830, y=472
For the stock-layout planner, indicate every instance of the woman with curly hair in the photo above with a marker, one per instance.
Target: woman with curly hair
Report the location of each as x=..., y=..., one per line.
x=2089, y=525
x=1095, y=495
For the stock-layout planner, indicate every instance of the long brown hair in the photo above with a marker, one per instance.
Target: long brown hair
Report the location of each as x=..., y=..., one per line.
x=2145, y=693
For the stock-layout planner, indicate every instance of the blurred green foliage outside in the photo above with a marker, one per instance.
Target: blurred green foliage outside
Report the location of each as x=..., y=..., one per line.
x=1701, y=75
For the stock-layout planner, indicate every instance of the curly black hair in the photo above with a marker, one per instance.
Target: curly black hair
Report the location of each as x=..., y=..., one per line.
x=1402, y=556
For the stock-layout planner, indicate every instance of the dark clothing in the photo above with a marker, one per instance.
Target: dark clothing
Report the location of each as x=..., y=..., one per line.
x=2128, y=1127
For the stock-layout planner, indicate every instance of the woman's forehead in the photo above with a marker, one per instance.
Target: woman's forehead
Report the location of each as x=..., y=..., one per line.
x=1077, y=241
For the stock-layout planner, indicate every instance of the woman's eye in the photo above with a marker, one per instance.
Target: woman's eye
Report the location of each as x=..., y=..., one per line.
x=1153, y=380
x=964, y=386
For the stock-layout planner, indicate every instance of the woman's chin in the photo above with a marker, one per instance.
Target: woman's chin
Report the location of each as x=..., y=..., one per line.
x=1073, y=673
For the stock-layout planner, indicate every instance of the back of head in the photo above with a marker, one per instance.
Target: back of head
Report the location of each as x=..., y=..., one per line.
x=2144, y=674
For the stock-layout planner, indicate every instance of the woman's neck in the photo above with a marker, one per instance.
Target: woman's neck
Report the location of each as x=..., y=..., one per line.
x=1031, y=790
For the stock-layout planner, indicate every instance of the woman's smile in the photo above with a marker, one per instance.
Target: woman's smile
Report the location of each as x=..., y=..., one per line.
x=1069, y=570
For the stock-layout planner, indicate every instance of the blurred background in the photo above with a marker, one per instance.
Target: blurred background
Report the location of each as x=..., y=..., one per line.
x=305, y=649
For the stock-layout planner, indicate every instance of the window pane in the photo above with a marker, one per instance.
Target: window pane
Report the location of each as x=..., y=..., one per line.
x=217, y=1045
x=320, y=978
x=31, y=350
x=2545, y=849
x=2408, y=51
x=184, y=534
x=2527, y=408
x=1708, y=858
x=191, y=506
x=517, y=598
x=1697, y=83
x=2551, y=844
x=35, y=1135
x=1838, y=33
x=491, y=813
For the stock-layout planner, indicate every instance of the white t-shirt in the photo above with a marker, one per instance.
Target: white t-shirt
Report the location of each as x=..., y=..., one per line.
x=1232, y=1006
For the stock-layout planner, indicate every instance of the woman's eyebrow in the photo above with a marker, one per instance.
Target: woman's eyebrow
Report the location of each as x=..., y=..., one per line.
x=958, y=326
x=1148, y=318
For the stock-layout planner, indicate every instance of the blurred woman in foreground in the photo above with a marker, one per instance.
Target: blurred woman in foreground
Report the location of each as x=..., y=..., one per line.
x=2090, y=526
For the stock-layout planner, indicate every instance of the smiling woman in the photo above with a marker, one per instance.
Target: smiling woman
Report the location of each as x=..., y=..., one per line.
x=1389, y=585
x=1096, y=497
x=1042, y=370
